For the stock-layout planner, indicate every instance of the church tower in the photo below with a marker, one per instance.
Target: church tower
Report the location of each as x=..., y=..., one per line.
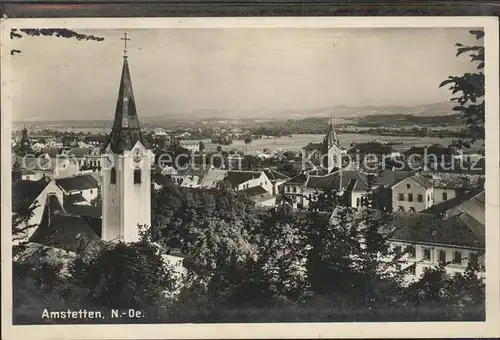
x=24, y=144
x=332, y=149
x=126, y=175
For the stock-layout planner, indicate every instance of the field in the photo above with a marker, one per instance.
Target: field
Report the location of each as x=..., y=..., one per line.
x=296, y=142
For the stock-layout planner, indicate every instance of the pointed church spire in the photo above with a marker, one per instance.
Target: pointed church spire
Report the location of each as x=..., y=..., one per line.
x=126, y=131
x=331, y=135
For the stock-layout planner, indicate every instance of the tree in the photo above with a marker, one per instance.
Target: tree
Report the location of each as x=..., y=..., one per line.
x=219, y=148
x=125, y=276
x=50, y=32
x=202, y=146
x=470, y=90
x=351, y=255
x=290, y=155
x=248, y=141
x=20, y=225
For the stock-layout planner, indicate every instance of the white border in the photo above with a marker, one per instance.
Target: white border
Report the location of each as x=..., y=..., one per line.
x=289, y=330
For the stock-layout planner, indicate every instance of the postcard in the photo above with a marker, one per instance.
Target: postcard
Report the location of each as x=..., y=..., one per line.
x=294, y=177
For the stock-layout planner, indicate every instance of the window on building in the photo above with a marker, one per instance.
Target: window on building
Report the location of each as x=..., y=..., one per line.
x=358, y=201
x=408, y=186
x=137, y=176
x=428, y=197
x=457, y=257
x=410, y=250
x=91, y=191
x=442, y=256
x=398, y=267
x=27, y=177
x=113, y=176
x=420, y=198
x=445, y=196
x=294, y=189
x=397, y=250
x=410, y=197
x=473, y=259
x=426, y=254
x=401, y=197
x=412, y=209
x=401, y=208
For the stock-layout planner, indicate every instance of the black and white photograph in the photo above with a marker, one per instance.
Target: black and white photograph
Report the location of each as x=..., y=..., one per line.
x=237, y=172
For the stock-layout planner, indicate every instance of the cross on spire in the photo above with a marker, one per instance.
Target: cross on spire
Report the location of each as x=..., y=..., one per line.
x=125, y=39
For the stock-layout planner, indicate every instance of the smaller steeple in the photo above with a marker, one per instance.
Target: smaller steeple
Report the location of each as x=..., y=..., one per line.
x=331, y=135
x=24, y=144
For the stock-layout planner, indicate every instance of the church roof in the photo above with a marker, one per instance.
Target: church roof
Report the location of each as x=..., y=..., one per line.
x=63, y=230
x=24, y=194
x=331, y=135
x=126, y=131
x=80, y=182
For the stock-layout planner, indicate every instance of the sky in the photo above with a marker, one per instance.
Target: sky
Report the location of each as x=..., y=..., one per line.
x=184, y=70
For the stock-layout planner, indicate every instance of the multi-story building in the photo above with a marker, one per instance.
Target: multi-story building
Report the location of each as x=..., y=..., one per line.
x=85, y=186
x=427, y=240
x=412, y=194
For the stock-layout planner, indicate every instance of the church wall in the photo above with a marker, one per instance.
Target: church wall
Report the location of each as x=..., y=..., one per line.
x=110, y=198
x=137, y=197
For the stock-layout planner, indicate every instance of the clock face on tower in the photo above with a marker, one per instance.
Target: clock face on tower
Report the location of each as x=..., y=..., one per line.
x=137, y=155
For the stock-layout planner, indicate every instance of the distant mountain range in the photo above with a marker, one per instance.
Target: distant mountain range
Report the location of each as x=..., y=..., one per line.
x=338, y=111
x=342, y=112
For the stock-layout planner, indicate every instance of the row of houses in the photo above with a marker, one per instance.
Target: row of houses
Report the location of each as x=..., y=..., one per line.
x=261, y=186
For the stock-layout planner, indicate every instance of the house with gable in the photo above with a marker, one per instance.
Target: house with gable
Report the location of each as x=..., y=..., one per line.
x=28, y=195
x=412, y=194
x=85, y=186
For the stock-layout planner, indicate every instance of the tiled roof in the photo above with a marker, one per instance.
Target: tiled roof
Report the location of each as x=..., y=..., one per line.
x=419, y=179
x=435, y=149
x=444, y=206
x=299, y=179
x=240, y=177
x=431, y=229
x=42, y=162
x=212, y=178
x=371, y=147
x=474, y=207
x=332, y=181
x=313, y=146
x=96, y=138
x=455, y=181
x=257, y=193
x=74, y=198
x=79, y=152
x=275, y=176
x=80, y=182
x=24, y=193
x=83, y=210
x=52, y=152
x=390, y=177
x=64, y=231
x=422, y=181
